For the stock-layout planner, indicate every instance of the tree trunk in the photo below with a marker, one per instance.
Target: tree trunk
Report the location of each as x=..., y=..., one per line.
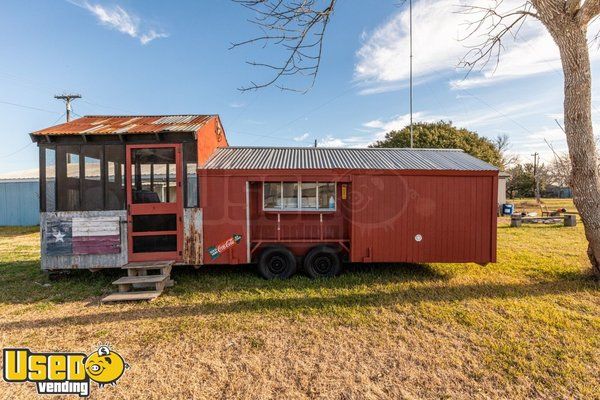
x=585, y=176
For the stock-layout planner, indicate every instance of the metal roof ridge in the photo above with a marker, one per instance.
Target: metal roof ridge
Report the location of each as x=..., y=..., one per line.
x=342, y=148
x=145, y=115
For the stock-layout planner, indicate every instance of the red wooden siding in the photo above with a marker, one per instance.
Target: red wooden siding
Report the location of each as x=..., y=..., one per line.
x=453, y=214
x=210, y=136
x=223, y=202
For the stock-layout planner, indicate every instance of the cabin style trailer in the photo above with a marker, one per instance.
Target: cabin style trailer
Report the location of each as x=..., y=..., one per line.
x=311, y=208
x=121, y=189
x=150, y=192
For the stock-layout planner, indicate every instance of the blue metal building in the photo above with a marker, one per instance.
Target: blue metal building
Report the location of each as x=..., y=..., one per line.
x=19, y=202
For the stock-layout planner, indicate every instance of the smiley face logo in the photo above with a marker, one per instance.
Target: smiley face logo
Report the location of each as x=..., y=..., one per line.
x=104, y=366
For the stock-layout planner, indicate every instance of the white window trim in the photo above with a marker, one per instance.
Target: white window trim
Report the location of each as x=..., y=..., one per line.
x=298, y=207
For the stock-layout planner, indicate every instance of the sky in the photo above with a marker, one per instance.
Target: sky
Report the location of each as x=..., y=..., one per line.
x=128, y=57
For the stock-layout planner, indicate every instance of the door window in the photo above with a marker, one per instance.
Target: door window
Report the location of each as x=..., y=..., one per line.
x=153, y=176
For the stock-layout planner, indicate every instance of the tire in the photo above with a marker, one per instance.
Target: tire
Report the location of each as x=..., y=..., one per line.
x=322, y=262
x=277, y=263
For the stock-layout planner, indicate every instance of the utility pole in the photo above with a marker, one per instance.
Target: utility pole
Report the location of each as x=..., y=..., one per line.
x=536, y=182
x=411, y=71
x=67, y=99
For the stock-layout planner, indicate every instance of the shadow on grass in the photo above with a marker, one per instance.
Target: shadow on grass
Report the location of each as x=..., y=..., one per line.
x=376, y=297
x=24, y=282
x=216, y=278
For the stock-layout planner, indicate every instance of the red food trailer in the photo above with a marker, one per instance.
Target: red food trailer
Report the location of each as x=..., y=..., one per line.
x=286, y=208
x=144, y=193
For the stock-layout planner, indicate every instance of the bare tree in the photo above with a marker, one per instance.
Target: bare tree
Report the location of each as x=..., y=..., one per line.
x=502, y=143
x=567, y=22
x=559, y=170
x=296, y=25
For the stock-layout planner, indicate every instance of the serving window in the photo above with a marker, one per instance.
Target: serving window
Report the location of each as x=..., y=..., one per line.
x=299, y=196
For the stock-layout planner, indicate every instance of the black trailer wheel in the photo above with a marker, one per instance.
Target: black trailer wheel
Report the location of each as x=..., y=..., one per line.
x=277, y=263
x=322, y=262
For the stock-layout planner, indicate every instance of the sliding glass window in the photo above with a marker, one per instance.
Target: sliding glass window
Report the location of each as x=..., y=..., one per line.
x=299, y=196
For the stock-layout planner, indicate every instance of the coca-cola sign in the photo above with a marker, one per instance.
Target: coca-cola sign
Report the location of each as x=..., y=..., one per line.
x=216, y=251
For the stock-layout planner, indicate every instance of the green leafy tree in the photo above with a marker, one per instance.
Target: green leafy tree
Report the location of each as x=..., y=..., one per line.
x=521, y=182
x=444, y=135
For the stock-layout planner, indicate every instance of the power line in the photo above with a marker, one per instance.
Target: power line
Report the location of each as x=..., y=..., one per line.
x=30, y=143
x=536, y=181
x=104, y=106
x=331, y=100
x=43, y=88
x=498, y=111
x=58, y=119
x=17, y=151
x=273, y=137
x=28, y=107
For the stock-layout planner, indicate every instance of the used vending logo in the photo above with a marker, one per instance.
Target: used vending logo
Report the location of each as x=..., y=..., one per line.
x=64, y=373
x=216, y=251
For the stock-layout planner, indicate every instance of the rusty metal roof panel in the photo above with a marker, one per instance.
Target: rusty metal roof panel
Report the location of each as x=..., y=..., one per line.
x=128, y=124
x=261, y=158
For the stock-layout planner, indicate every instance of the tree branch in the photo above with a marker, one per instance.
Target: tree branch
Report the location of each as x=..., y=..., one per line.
x=573, y=6
x=296, y=25
x=589, y=10
x=493, y=25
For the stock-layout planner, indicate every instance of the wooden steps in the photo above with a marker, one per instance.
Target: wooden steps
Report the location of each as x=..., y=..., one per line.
x=148, y=295
x=144, y=281
x=140, y=268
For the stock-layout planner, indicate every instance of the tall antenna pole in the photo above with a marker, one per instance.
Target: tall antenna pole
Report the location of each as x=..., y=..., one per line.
x=67, y=98
x=411, y=72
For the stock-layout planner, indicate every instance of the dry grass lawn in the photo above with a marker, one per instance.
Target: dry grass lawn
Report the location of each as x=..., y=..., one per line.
x=526, y=327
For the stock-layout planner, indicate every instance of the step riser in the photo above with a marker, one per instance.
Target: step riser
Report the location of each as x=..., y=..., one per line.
x=124, y=288
x=144, y=272
x=131, y=296
x=139, y=284
x=141, y=279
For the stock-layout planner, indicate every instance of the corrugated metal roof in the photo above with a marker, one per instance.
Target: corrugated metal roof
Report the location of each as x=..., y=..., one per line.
x=127, y=124
x=344, y=158
x=26, y=174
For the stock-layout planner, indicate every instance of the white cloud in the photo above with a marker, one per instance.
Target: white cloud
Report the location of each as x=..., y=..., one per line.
x=151, y=35
x=375, y=130
x=533, y=54
x=380, y=127
x=384, y=55
x=526, y=145
x=236, y=104
x=502, y=113
x=383, y=58
x=330, y=141
x=117, y=18
x=349, y=141
x=302, y=137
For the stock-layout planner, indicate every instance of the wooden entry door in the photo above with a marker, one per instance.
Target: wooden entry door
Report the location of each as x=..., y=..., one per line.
x=154, y=202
